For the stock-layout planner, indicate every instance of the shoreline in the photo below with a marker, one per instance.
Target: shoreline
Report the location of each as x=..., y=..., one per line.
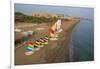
x=54, y=52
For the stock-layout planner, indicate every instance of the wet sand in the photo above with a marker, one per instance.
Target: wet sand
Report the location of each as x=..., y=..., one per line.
x=56, y=51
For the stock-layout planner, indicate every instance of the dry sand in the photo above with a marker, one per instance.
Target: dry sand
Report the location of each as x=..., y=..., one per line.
x=55, y=52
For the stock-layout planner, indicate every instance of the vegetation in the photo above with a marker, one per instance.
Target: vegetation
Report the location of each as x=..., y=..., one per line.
x=20, y=17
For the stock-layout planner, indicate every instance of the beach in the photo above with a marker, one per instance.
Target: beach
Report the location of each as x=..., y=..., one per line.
x=56, y=51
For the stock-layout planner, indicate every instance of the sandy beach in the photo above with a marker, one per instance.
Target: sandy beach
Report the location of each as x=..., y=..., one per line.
x=56, y=51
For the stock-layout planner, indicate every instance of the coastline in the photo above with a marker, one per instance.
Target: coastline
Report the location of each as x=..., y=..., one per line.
x=54, y=52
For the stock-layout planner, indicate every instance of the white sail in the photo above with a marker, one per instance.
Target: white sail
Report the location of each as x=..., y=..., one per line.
x=55, y=29
x=58, y=26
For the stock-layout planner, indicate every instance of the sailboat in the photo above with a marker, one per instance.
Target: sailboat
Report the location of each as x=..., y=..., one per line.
x=55, y=30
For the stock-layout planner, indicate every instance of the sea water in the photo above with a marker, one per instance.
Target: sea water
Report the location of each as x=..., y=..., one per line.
x=83, y=41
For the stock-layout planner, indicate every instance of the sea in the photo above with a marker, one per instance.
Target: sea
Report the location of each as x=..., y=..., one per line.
x=82, y=41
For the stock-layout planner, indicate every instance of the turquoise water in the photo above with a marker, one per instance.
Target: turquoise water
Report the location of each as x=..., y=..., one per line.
x=83, y=41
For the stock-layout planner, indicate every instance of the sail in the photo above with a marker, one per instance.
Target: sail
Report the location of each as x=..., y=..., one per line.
x=55, y=28
x=58, y=26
